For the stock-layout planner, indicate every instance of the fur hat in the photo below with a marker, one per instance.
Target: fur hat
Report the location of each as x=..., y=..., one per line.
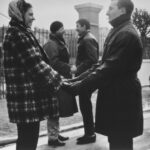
x=55, y=26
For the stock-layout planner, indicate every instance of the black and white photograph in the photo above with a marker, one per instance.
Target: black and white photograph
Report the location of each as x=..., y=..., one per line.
x=74, y=75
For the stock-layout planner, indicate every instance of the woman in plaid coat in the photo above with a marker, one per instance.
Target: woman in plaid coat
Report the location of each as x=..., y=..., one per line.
x=30, y=81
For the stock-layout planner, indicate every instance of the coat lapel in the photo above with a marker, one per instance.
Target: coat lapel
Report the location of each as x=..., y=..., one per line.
x=111, y=36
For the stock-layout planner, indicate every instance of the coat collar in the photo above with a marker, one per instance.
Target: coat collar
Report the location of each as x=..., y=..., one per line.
x=83, y=35
x=113, y=32
x=60, y=40
x=19, y=24
x=120, y=20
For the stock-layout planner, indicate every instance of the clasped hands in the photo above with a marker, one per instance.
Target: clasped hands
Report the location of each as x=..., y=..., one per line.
x=71, y=86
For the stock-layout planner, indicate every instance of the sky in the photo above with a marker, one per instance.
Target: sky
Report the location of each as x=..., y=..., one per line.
x=47, y=11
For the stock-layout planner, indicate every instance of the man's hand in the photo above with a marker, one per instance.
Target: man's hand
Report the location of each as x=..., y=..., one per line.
x=69, y=80
x=72, y=87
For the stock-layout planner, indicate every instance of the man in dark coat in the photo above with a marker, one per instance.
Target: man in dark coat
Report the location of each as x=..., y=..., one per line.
x=57, y=50
x=87, y=55
x=58, y=54
x=119, y=103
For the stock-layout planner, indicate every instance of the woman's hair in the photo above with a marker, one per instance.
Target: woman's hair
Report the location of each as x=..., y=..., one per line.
x=23, y=6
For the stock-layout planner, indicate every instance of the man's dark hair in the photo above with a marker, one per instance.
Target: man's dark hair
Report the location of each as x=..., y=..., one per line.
x=127, y=4
x=83, y=22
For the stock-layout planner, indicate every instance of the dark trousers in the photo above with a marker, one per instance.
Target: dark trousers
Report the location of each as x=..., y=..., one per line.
x=87, y=114
x=28, y=134
x=120, y=143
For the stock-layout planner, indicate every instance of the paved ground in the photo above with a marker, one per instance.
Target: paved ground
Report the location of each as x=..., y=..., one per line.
x=140, y=143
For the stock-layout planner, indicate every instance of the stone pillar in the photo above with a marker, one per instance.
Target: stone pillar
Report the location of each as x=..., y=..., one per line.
x=90, y=12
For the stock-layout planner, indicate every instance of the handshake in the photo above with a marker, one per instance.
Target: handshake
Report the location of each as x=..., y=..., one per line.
x=71, y=86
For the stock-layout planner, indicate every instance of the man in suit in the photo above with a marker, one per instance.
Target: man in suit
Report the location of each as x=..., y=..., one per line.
x=119, y=112
x=87, y=55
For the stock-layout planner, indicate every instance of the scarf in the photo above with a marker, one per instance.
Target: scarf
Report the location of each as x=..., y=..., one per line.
x=14, y=11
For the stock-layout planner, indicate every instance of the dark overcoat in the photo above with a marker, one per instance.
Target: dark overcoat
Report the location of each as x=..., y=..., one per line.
x=58, y=54
x=29, y=78
x=119, y=101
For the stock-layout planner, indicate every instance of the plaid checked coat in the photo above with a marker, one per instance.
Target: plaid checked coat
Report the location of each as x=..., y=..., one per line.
x=29, y=79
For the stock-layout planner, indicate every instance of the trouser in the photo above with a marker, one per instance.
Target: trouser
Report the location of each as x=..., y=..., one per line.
x=53, y=128
x=28, y=134
x=120, y=143
x=87, y=113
